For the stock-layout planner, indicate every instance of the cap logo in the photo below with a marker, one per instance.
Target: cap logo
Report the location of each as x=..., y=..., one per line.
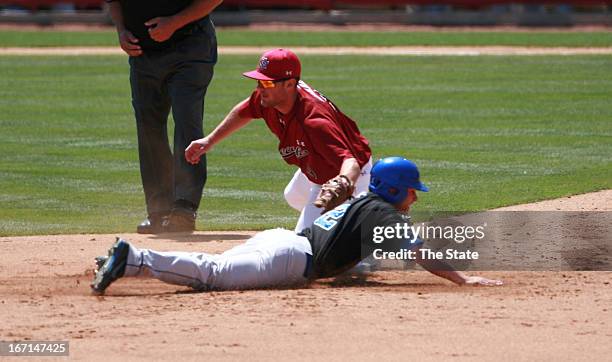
x=263, y=63
x=288, y=73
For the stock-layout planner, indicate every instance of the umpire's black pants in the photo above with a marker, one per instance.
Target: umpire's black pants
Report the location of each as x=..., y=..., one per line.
x=175, y=78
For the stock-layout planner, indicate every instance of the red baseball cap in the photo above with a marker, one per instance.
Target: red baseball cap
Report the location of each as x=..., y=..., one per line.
x=275, y=65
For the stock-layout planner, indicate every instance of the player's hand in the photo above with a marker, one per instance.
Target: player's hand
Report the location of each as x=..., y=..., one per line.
x=129, y=43
x=196, y=149
x=161, y=28
x=482, y=281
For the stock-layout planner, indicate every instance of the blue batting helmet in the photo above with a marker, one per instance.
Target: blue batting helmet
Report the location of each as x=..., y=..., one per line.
x=391, y=177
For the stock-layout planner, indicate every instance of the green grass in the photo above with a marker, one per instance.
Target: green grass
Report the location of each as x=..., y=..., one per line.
x=397, y=38
x=486, y=132
x=228, y=37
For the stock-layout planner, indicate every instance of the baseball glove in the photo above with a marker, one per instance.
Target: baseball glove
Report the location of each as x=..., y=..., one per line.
x=334, y=192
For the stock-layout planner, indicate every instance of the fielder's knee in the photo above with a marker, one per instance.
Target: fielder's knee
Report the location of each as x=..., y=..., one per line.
x=293, y=199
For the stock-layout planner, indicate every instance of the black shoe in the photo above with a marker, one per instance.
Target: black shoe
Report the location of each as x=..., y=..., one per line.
x=180, y=221
x=153, y=224
x=113, y=268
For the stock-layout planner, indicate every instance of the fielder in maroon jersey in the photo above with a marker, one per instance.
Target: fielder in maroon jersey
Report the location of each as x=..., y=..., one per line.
x=313, y=133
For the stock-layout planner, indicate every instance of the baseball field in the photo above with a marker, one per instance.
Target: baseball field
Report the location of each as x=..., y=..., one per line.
x=488, y=131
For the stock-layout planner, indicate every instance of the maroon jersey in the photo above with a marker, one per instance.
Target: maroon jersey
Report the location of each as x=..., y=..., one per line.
x=315, y=135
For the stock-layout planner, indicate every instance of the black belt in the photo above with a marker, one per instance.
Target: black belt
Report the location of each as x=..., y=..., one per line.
x=178, y=36
x=308, y=269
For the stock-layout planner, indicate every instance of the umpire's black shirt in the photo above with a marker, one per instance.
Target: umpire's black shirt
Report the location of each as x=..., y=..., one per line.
x=137, y=12
x=344, y=236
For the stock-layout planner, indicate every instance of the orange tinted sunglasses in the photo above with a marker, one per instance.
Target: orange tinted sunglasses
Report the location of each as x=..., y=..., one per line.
x=270, y=83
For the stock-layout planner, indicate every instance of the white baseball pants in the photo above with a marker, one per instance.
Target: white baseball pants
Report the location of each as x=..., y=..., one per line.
x=271, y=258
x=300, y=193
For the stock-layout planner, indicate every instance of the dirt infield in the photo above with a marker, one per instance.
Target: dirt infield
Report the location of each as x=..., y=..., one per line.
x=44, y=295
x=594, y=201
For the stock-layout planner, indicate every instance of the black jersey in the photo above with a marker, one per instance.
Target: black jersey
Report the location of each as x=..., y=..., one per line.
x=137, y=12
x=344, y=236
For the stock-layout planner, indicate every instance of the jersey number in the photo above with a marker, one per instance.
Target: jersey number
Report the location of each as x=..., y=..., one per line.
x=331, y=218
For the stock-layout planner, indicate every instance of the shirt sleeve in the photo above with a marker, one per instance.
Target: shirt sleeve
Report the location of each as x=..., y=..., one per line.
x=252, y=108
x=329, y=140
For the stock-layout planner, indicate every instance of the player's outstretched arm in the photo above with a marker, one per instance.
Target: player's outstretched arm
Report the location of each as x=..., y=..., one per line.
x=230, y=124
x=443, y=270
x=350, y=168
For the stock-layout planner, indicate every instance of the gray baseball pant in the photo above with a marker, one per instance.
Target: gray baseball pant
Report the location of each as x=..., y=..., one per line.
x=271, y=258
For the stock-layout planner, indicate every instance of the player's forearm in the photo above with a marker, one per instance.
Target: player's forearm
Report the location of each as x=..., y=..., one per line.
x=350, y=168
x=197, y=10
x=454, y=276
x=443, y=270
x=114, y=10
x=232, y=122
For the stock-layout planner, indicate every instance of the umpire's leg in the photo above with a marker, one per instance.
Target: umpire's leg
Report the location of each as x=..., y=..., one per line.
x=151, y=107
x=194, y=64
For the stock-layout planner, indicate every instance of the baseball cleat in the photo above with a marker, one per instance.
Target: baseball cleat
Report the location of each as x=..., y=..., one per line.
x=362, y=267
x=100, y=260
x=113, y=267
